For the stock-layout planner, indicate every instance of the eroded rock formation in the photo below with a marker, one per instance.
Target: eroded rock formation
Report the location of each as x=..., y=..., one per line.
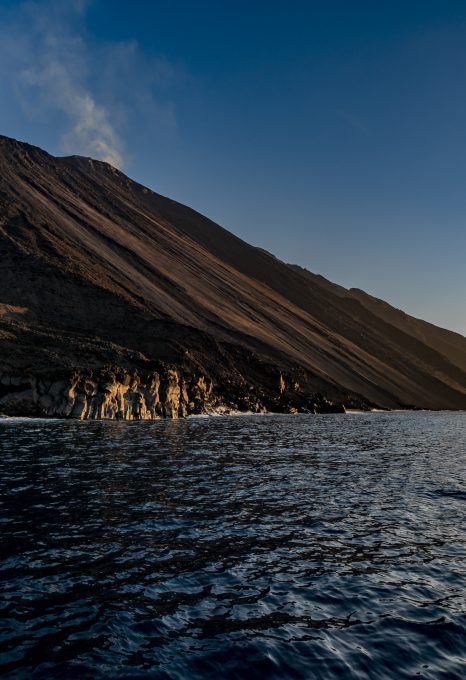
x=106, y=395
x=124, y=395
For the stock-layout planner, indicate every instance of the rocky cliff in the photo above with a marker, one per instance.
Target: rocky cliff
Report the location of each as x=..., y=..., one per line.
x=106, y=394
x=116, y=302
x=136, y=395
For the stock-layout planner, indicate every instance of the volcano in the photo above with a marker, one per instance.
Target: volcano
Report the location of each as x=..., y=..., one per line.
x=116, y=302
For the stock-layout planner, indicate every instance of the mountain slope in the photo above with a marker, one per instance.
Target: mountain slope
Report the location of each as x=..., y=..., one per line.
x=101, y=270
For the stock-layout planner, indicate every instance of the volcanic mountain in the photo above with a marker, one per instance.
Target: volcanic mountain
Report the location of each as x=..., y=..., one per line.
x=118, y=302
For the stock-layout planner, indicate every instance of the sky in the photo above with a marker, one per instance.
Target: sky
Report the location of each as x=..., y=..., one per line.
x=330, y=132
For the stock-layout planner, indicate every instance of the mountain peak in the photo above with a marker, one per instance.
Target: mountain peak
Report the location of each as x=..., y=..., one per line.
x=110, y=273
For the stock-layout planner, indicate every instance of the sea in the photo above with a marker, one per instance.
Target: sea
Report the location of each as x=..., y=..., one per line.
x=268, y=547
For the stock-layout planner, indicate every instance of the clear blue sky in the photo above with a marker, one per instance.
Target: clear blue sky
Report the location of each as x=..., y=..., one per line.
x=332, y=133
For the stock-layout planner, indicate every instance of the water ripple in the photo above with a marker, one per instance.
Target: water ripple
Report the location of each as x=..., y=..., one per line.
x=258, y=547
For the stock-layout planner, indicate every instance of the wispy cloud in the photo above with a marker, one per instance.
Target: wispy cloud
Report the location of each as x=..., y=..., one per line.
x=57, y=72
x=58, y=85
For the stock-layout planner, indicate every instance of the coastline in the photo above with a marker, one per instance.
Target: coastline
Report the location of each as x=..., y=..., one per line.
x=213, y=415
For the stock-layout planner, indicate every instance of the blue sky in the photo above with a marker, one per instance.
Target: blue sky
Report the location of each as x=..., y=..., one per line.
x=332, y=133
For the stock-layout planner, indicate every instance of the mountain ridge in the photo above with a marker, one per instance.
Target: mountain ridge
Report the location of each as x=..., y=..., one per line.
x=105, y=257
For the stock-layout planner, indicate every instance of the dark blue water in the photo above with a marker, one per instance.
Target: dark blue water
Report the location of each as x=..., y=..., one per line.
x=253, y=547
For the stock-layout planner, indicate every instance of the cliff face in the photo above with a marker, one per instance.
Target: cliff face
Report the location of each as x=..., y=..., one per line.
x=106, y=394
x=101, y=277
x=147, y=395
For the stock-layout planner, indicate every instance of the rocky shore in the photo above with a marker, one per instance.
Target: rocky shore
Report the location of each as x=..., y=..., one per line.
x=119, y=394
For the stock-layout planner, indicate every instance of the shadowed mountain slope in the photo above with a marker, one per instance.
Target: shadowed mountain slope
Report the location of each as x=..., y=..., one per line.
x=96, y=269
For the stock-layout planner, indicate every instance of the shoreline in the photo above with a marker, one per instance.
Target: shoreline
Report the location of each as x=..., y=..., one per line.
x=213, y=415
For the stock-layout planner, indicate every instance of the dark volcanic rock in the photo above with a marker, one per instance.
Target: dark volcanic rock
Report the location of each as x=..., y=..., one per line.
x=116, y=302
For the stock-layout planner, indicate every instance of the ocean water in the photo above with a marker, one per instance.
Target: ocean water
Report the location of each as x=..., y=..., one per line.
x=256, y=547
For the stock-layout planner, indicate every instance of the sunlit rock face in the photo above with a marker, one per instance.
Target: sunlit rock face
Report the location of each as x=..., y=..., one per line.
x=108, y=395
x=124, y=395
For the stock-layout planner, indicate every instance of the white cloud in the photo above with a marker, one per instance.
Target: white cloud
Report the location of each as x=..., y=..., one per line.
x=59, y=75
x=59, y=87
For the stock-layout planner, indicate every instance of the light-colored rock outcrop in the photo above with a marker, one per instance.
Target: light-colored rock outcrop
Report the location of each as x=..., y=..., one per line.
x=121, y=394
x=106, y=395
